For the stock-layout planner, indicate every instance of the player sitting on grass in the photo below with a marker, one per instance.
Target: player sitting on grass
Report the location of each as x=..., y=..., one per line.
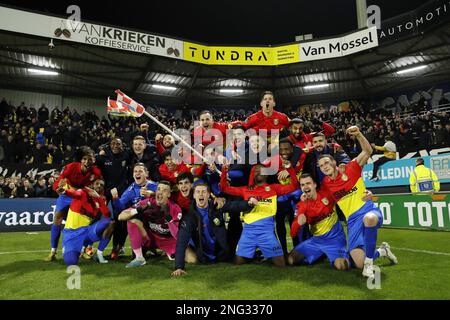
x=140, y=189
x=87, y=222
x=153, y=224
x=259, y=224
x=205, y=225
x=363, y=218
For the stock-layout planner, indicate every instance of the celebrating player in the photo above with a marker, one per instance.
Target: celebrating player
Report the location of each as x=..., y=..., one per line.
x=87, y=222
x=328, y=235
x=137, y=191
x=363, y=218
x=259, y=227
x=206, y=226
x=75, y=175
x=153, y=224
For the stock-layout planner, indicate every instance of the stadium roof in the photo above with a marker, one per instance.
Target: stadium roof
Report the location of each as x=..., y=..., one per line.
x=91, y=71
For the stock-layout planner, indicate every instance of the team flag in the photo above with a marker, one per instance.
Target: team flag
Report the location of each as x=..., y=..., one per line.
x=125, y=106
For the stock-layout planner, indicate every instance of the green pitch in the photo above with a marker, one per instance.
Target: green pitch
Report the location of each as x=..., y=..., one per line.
x=423, y=272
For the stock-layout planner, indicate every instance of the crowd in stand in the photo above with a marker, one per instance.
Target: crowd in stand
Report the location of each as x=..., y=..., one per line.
x=30, y=136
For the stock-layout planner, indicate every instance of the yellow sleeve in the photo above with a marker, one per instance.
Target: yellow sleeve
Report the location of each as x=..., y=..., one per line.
x=436, y=183
x=412, y=182
x=380, y=148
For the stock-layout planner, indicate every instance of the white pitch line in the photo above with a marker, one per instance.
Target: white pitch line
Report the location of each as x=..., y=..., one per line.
x=395, y=248
x=423, y=251
x=38, y=251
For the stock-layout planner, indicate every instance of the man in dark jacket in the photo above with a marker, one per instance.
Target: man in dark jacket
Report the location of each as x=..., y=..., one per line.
x=206, y=226
x=320, y=146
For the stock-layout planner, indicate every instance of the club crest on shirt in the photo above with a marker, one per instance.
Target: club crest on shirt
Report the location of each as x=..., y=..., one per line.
x=216, y=221
x=325, y=201
x=179, y=216
x=267, y=189
x=92, y=177
x=275, y=121
x=344, y=177
x=124, y=163
x=175, y=174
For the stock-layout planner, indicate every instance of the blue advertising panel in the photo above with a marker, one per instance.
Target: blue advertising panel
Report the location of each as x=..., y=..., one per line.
x=26, y=214
x=397, y=173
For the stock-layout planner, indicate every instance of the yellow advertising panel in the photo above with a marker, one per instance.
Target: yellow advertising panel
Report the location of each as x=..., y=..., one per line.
x=255, y=56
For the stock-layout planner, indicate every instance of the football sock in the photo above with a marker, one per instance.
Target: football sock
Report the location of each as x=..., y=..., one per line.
x=55, y=233
x=370, y=241
x=138, y=253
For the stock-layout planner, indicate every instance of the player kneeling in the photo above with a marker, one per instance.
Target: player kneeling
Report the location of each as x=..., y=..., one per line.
x=153, y=224
x=88, y=221
x=319, y=212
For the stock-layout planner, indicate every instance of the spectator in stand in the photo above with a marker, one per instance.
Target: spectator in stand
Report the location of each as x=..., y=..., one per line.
x=390, y=154
x=10, y=149
x=26, y=190
x=39, y=155
x=43, y=113
x=41, y=188
x=50, y=192
x=68, y=154
x=10, y=191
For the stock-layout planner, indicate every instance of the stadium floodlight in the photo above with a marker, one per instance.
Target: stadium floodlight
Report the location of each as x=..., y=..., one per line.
x=412, y=69
x=316, y=86
x=158, y=86
x=42, y=72
x=231, y=90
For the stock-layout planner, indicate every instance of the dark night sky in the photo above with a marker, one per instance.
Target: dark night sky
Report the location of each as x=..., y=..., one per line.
x=226, y=22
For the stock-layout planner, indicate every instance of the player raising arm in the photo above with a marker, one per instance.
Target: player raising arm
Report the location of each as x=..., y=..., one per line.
x=363, y=218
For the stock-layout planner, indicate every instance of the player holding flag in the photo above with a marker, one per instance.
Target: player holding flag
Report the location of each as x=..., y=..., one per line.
x=363, y=218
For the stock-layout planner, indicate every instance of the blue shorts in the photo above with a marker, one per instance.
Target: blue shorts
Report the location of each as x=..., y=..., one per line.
x=63, y=203
x=75, y=239
x=355, y=225
x=259, y=236
x=333, y=244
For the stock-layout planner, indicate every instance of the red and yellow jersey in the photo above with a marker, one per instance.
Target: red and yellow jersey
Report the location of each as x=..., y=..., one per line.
x=258, y=121
x=320, y=213
x=265, y=194
x=347, y=189
x=84, y=209
x=76, y=178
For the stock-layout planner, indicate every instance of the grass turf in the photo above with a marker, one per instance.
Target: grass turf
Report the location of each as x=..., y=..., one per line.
x=419, y=275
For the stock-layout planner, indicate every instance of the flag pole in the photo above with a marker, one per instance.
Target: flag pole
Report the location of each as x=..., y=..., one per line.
x=179, y=138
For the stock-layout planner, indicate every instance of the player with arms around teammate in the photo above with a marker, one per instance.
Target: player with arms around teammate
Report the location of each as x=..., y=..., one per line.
x=328, y=235
x=153, y=224
x=75, y=175
x=259, y=223
x=363, y=218
x=88, y=221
